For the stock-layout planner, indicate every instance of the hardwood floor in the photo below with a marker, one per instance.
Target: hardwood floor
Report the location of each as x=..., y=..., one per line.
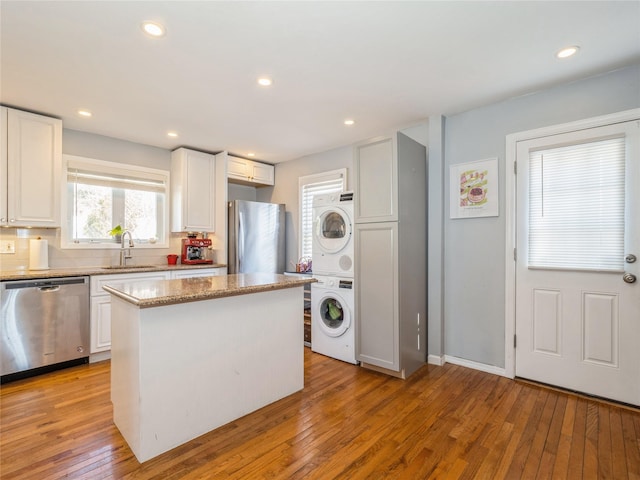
x=444, y=422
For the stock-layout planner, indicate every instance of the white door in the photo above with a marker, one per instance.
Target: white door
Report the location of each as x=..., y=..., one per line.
x=578, y=230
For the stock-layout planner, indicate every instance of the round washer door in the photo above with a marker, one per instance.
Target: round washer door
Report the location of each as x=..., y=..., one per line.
x=333, y=230
x=334, y=317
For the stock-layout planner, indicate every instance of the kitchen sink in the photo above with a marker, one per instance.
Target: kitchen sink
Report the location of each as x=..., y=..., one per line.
x=122, y=267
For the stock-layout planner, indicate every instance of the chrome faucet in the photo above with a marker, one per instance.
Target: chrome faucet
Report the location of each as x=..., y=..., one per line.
x=125, y=253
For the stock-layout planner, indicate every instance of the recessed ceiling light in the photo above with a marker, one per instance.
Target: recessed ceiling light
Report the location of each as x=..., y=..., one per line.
x=84, y=113
x=172, y=134
x=568, y=52
x=349, y=122
x=265, y=81
x=153, y=29
x=251, y=154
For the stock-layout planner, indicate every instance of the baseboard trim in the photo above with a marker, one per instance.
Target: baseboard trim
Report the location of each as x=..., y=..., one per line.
x=100, y=356
x=483, y=367
x=436, y=360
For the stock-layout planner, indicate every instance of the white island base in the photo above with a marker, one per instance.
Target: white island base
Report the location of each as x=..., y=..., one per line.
x=179, y=371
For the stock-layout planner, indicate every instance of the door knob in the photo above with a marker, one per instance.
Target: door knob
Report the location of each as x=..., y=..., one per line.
x=631, y=258
x=629, y=277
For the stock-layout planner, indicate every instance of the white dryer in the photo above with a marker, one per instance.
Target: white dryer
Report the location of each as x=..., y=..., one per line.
x=333, y=318
x=332, y=240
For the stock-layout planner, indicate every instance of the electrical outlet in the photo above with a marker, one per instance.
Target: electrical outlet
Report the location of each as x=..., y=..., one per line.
x=7, y=246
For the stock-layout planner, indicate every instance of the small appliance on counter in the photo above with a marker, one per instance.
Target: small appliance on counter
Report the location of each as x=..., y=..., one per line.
x=195, y=250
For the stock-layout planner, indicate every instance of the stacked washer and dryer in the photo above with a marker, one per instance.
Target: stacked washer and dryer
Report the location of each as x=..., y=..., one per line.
x=332, y=297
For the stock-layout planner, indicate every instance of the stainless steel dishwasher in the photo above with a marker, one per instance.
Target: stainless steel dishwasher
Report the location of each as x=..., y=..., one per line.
x=44, y=322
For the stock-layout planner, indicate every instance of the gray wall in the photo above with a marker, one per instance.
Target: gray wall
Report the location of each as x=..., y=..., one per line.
x=435, y=239
x=286, y=188
x=114, y=150
x=241, y=192
x=474, y=261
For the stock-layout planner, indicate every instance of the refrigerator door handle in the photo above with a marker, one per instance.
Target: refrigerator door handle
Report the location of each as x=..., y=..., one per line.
x=240, y=253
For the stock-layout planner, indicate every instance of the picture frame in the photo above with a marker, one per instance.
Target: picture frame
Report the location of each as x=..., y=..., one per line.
x=473, y=189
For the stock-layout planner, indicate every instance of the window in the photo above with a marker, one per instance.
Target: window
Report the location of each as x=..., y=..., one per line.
x=101, y=195
x=310, y=185
x=577, y=206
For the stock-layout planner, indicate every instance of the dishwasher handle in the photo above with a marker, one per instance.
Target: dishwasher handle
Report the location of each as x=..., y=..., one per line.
x=49, y=288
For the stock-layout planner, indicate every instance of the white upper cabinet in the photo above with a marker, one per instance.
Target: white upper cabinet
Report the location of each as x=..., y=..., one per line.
x=30, y=168
x=248, y=172
x=193, y=200
x=376, y=177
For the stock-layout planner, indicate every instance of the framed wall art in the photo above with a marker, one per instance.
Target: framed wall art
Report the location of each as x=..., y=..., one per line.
x=474, y=189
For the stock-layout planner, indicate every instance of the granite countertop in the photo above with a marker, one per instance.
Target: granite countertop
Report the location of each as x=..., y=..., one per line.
x=156, y=293
x=78, y=271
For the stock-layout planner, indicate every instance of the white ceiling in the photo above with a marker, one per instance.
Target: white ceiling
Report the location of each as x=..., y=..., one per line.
x=385, y=64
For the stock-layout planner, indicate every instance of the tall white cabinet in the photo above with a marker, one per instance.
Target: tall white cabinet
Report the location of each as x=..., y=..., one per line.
x=30, y=166
x=390, y=195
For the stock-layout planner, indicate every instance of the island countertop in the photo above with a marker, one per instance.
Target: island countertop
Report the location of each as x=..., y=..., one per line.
x=156, y=293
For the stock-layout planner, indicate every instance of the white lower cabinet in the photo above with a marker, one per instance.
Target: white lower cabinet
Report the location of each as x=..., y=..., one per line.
x=101, y=305
x=100, y=323
x=101, y=300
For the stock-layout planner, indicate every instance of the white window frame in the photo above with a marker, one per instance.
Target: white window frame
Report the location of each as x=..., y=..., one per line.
x=303, y=181
x=66, y=239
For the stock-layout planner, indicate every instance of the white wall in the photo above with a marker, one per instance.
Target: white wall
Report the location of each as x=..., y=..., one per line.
x=474, y=264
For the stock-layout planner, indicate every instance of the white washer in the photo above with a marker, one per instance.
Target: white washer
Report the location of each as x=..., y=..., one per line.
x=333, y=318
x=332, y=240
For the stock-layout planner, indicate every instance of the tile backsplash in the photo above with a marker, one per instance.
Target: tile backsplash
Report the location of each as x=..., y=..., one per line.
x=75, y=258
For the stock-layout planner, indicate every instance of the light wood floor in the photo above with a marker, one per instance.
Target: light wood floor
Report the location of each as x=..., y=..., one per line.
x=444, y=422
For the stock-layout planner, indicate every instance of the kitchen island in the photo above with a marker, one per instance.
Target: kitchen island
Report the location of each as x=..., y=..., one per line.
x=191, y=355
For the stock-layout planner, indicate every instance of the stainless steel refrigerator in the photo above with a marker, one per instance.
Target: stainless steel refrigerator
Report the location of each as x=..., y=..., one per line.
x=256, y=237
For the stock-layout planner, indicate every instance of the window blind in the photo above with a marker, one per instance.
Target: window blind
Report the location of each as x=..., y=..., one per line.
x=329, y=182
x=577, y=206
x=101, y=194
x=104, y=174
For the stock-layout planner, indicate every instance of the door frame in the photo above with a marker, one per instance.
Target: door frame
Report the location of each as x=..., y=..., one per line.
x=512, y=208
